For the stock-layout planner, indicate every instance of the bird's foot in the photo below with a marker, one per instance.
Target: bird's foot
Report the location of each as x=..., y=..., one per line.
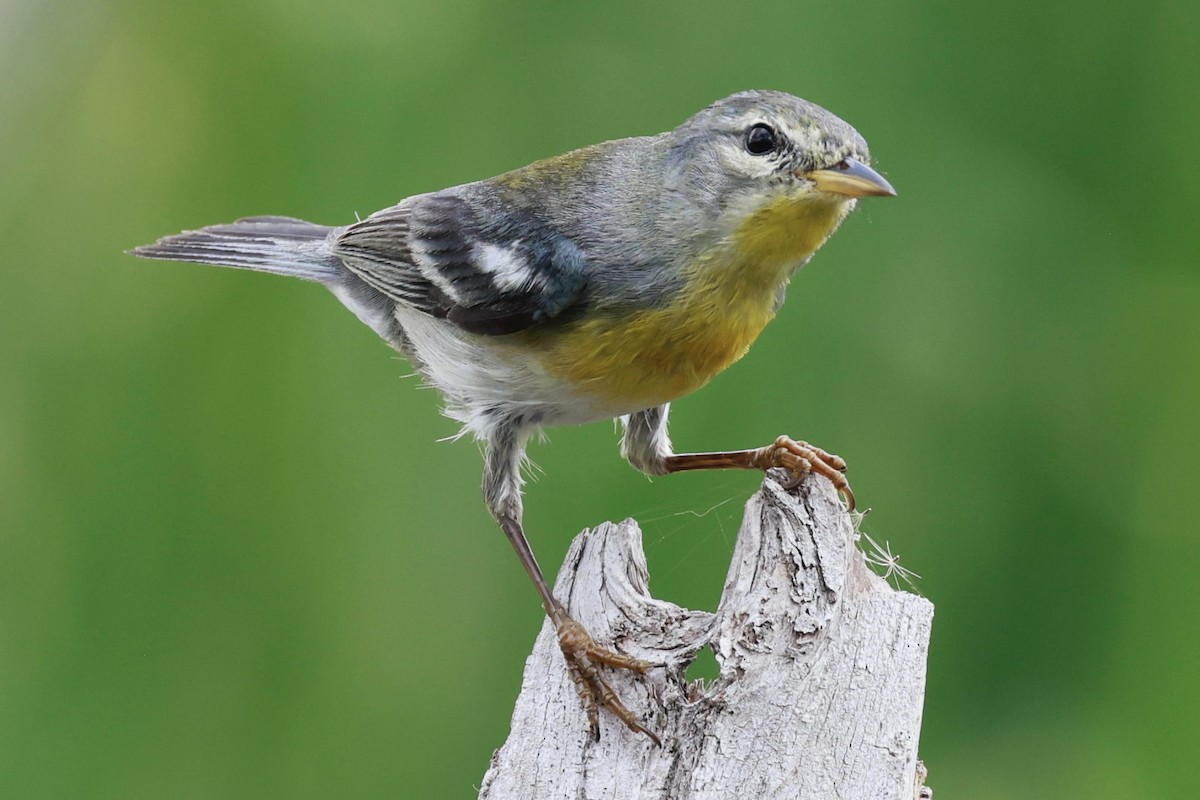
x=803, y=459
x=583, y=655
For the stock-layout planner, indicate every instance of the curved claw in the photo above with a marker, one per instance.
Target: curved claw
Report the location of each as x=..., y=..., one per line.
x=804, y=459
x=583, y=654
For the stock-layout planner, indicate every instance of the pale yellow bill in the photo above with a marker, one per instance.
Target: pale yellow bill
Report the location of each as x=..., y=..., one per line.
x=851, y=178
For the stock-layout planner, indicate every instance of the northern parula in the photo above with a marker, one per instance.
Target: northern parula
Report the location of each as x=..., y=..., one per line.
x=602, y=283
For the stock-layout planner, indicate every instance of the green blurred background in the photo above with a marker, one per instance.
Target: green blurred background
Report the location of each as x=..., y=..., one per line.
x=236, y=562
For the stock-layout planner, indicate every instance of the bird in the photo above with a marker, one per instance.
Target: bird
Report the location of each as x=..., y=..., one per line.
x=603, y=283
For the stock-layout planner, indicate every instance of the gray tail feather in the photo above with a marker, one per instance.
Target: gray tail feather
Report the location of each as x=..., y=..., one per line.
x=280, y=245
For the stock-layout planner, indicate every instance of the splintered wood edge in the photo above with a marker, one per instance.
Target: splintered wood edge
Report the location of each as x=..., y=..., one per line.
x=822, y=670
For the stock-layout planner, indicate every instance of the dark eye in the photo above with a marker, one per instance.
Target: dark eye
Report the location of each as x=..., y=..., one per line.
x=760, y=139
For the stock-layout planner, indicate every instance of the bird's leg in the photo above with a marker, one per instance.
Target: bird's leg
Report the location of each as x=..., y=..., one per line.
x=801, y=458
x=647, y=446
x=502, y=491
x=578, y=646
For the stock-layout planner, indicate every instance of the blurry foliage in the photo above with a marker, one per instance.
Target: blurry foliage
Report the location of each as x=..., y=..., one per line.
x=235, y=562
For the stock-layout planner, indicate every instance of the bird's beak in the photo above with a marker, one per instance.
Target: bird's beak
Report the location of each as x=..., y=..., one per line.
x=851, y=178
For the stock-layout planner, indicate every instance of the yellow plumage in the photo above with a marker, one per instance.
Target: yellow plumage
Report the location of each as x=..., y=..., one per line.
x=654, y=356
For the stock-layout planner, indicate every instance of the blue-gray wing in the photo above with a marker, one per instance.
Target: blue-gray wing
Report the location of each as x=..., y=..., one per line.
x=493, y=273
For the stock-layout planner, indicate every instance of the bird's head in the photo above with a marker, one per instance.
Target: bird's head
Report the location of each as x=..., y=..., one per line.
x=772, y=166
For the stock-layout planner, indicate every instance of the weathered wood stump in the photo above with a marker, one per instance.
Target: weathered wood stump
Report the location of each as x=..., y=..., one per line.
x=822, y=672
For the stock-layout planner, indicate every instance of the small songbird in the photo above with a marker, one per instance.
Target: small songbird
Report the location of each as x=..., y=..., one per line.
x=602, y=283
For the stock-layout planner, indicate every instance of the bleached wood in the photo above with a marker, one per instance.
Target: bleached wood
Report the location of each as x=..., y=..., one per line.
x=822, y=672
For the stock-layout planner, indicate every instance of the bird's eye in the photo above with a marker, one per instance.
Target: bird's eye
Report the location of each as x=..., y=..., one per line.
x=760, y=139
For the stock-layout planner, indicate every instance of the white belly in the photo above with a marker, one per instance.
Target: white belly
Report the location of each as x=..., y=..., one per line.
x=486, y=380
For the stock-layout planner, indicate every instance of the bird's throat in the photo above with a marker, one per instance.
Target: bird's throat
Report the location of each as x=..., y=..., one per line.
x=641, y=359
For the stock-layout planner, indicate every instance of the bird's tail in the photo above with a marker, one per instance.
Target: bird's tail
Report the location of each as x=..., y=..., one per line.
x=280, y=245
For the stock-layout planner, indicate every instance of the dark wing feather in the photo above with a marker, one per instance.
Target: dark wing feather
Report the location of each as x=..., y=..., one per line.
x=491, y=274
x=376, y=249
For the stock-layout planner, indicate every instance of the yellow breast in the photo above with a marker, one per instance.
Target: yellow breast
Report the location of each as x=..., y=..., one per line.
x=653, y=356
